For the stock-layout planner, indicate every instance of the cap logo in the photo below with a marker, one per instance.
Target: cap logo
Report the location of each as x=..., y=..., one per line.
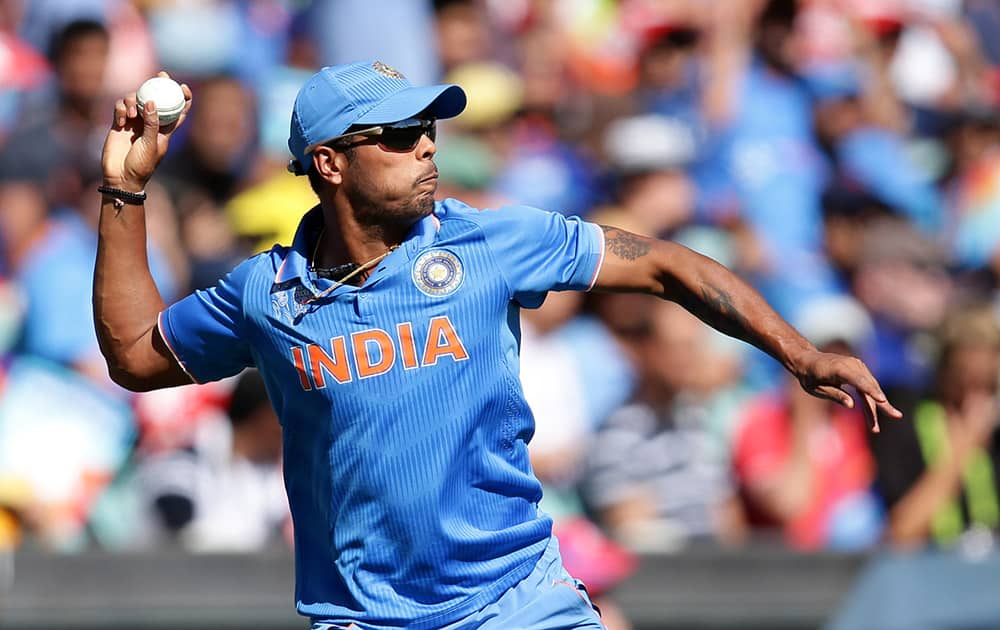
x=438, y=273
x=387, y=71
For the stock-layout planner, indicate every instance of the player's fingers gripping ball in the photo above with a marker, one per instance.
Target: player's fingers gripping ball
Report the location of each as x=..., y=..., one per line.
x=167, y=95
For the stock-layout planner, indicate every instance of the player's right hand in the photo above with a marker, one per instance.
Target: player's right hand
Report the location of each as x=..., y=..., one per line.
x=136, y=143
x=829, y=375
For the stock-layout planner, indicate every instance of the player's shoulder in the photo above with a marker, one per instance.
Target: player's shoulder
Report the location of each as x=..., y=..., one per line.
x=454, y=211
x=260, y=267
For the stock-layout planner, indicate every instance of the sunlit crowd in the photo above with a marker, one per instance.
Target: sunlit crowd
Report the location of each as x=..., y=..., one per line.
x=843, y=156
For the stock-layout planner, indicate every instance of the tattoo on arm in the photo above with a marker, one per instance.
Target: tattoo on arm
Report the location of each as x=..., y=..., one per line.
x=722, y=313
x=711, y=303
x=625, y=245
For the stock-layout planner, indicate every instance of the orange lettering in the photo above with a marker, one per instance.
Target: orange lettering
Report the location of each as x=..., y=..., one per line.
x=337, y=365
x=367, y=365
x=407, y=347
x=300, y=367
x=441, y=340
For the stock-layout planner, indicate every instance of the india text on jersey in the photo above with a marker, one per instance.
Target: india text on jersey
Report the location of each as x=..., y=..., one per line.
x=375, y=351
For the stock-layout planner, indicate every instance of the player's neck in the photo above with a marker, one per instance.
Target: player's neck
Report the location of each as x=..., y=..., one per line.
x=345, y=240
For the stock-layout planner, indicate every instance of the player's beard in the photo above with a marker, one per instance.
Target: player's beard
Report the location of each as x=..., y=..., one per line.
x=374, y=205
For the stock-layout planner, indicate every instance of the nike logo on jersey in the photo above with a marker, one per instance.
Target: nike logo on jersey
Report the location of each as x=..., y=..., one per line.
x=375, y=351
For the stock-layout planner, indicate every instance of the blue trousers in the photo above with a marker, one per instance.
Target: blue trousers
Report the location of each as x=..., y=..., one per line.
x=548, y=599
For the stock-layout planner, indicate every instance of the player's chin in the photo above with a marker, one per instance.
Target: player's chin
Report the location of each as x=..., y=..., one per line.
x=424, y=203
x=419, y=206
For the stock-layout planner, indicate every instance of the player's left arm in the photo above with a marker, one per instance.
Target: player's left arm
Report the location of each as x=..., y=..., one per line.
x=724, y=301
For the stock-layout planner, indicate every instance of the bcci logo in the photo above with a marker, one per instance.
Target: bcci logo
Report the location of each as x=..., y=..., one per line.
x=387, y=71
x=438, y=273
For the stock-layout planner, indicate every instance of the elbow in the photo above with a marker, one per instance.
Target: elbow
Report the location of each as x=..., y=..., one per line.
x=131, y=375
x=118, y=369
x=116, y=360
x=132, y=366
x=657, y=274
x=127, y=379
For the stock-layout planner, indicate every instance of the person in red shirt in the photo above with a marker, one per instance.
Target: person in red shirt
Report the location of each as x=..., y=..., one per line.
x=803, y=464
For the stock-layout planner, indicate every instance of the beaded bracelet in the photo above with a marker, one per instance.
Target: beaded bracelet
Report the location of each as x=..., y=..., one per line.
x=121, y=197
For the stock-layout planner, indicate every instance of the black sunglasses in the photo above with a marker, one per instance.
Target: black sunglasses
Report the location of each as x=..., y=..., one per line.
x=401, y=136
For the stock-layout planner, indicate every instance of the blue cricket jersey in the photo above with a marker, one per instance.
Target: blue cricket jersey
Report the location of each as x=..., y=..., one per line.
x=405, y=427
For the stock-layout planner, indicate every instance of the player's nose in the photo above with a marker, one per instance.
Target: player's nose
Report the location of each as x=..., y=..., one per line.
x=426, y=148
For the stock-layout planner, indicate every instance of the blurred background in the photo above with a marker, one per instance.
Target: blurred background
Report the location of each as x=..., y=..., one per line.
x=843, y=156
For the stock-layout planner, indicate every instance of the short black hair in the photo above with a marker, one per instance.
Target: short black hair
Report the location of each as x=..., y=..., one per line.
x=71, y=32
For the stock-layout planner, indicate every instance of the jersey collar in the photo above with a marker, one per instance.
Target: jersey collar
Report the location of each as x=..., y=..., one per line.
x=295, y=266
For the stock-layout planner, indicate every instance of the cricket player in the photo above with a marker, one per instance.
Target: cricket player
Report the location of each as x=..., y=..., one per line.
x=387, y=335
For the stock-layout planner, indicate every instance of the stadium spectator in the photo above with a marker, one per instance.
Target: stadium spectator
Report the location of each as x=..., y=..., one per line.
x=902, y=280
x=657, y=474
x=848, y=213
x=480, y=143
x=973, y=190
x=23, y=68
x=938, y=474
x=42, y=253
x=803, y=464
x=815, y=146
x=55, y=137
x=649, y=156
x=767, y=159
x=570, y=397
x=464, y=33
x=225, y=493
x=869, y=155
x=207, y=170
x=49, y=256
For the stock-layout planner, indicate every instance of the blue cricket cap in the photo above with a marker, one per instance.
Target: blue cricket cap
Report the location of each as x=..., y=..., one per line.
x=361, y=93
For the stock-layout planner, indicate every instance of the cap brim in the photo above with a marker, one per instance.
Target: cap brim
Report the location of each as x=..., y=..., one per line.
x=439, y=101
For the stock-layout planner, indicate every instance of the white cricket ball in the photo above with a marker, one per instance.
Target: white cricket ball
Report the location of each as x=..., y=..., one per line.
x=167, y=95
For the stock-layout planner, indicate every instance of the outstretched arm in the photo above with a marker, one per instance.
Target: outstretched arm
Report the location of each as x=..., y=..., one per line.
x=126, y=301
x=724, y=301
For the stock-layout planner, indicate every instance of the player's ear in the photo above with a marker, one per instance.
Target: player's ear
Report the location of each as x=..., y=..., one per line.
x=329, y=164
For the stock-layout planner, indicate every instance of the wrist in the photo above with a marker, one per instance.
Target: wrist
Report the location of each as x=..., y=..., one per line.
x=799, y=360
x=132, y=186
x=120, y=197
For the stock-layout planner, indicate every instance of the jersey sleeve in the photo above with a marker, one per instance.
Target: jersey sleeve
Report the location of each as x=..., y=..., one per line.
x=205, y=330
x=540, y=251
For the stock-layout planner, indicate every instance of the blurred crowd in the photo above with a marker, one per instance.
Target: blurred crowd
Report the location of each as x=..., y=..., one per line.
x=843, y=156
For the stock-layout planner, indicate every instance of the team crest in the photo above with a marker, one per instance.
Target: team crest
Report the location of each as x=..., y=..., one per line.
x=438, y=273
x=387, y=71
